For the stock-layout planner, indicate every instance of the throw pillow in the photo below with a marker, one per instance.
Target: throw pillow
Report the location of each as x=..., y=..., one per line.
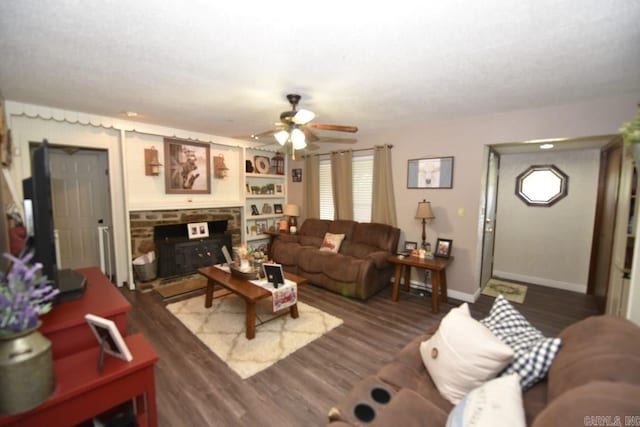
x=534, y=353
x=496, y=403
x=332, y=242
x=463, y=354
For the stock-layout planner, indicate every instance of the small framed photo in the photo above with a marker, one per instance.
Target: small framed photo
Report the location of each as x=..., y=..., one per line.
x=198, y=230
x=261, y=227
x=296, y=175
x=108, y=336
x=410, y=246
x=279, y=189
x=443, y=248
x=254, y=210
x=277, y=208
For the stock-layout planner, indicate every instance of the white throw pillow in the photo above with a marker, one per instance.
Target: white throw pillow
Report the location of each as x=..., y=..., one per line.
x=463, y=354
x=496, y=403
x=332, y=242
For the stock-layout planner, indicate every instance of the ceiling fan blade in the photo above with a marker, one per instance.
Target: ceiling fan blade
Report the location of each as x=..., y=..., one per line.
x=338, y=140
x=309, y=135
x=337, y=128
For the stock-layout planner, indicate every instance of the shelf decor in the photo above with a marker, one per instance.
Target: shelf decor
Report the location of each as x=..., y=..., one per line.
x=220, y=170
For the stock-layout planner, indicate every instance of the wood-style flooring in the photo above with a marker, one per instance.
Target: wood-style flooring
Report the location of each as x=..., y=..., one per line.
x=195, y=388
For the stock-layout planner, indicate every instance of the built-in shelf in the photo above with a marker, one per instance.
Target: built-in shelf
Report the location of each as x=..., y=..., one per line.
x=264, y=175
x=265, y=196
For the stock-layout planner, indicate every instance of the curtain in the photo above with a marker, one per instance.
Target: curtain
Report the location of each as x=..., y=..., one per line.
x=342, y=184
x=383, y=204
x=311, y=197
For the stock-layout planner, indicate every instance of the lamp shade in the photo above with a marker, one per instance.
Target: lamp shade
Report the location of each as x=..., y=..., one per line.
x=303, y=117
x=281, y=136
x=291, y=210
x=424, y=210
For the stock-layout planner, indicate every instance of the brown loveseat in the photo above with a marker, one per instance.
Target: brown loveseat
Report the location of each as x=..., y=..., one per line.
x=595, y=375
x=360, y=268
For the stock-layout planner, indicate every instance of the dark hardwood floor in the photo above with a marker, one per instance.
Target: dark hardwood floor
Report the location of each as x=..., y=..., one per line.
x=195, y=388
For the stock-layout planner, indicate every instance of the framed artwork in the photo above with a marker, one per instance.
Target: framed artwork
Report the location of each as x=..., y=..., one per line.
x=261, y=227
x=435, y=172
x=198, y=230
x=410, y=246
x=279, y=189
x=443, y=248
x=187, y=167
x=277, y=208
x=108, y=336
x=296, y=175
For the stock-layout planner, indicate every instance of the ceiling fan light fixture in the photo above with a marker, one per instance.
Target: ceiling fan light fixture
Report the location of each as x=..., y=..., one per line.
x=281, y=137
x=303, y=117
x=298, y=139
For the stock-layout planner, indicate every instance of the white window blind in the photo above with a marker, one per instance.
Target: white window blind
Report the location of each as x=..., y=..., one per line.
x=362, y=180
x=326, y=190
x=362, y=176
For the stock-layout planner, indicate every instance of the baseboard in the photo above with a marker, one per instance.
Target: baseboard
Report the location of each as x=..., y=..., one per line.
x=451, y=293
x=567, y=286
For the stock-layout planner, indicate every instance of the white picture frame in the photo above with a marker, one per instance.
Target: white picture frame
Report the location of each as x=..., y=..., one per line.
x=198, y=230
x=105, y=331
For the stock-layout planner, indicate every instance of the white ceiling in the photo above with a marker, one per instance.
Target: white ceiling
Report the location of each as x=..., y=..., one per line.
x=224, y=67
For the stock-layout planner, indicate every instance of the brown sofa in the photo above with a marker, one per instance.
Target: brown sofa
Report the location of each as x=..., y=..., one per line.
x=360, y=268
x=595, y=374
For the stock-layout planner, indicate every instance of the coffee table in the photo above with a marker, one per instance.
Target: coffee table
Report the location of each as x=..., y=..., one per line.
x=250, y=292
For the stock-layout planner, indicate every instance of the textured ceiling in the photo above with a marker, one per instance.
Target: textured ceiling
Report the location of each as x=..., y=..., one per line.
x=225, y=67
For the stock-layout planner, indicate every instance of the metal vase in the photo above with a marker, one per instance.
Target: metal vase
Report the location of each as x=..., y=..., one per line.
x=26, y=371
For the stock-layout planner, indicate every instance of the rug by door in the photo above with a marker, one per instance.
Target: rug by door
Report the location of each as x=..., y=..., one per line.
x=512, y=291
x=221, y=328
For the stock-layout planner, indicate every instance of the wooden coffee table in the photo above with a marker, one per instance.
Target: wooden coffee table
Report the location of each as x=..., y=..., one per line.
x=436, y=265
x=250, y=292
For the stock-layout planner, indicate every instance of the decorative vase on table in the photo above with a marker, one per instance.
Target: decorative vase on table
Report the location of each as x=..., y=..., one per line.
x=26, y=371
x=26, y=360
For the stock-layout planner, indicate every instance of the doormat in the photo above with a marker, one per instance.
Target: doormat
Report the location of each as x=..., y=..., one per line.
x=182, y=286
x=221, y=328
x=512, y=291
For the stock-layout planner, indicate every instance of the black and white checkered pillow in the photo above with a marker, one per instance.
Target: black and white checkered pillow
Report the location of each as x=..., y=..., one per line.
x=534, y=353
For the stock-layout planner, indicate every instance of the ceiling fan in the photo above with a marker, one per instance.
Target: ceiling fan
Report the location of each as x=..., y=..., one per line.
x=295, y=127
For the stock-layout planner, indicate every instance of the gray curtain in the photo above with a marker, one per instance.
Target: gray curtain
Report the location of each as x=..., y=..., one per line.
x=311, y=180
x=342, y=184
x=383, y=203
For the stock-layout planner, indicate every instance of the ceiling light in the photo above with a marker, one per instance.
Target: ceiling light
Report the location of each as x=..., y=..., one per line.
x=131, y=114
x=282, y=137
x=298, y=139
x=546, y=146
x=303, y=117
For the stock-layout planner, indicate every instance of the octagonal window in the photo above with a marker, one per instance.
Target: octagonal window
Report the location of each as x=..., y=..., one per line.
x=542, y=185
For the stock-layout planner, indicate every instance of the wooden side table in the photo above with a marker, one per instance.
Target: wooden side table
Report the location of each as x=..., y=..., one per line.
x=436, y=266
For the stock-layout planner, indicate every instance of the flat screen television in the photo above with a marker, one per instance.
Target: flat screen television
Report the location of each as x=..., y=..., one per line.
x=38, y=213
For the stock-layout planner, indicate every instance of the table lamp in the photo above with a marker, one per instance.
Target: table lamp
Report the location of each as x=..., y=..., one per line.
x=424, y=213
x=292, y=211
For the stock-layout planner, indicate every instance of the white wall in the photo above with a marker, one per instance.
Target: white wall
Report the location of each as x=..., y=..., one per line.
x=547, y=245
x=465, y=138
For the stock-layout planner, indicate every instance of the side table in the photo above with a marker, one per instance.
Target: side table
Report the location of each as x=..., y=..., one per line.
x=437, y=266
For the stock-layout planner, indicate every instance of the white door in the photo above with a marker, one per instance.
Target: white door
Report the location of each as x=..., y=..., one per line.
x=80, y=191
x=489, y=218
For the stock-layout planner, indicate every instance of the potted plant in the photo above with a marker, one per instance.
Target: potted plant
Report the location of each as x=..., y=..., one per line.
x=26, y=362
x=631, y=135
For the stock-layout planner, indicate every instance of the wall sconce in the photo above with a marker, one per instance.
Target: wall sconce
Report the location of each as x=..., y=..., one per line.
x=151, y=164
x=220, y=170
x=277, y=163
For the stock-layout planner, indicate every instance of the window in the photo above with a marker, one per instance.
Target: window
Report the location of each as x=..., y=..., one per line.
x=541, y=185
x=362, y=181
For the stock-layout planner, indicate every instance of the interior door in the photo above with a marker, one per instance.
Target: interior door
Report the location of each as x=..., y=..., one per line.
x=491, y=197
x=80, y=203
x=604, y=225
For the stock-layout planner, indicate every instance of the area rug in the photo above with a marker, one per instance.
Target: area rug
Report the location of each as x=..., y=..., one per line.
x=512, y=291
x=222, y=328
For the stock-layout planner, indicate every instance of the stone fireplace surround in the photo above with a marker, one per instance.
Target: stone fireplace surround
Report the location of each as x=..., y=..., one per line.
x=143, y=222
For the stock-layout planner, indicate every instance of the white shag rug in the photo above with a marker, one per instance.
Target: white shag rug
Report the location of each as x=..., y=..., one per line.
x=222, y=328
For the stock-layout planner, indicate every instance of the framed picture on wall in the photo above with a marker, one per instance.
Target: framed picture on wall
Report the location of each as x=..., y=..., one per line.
x=435, y=172
x=187, y=168
x=296, y=175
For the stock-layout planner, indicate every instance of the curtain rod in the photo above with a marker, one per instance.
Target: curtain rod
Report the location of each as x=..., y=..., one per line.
x=352, y=150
